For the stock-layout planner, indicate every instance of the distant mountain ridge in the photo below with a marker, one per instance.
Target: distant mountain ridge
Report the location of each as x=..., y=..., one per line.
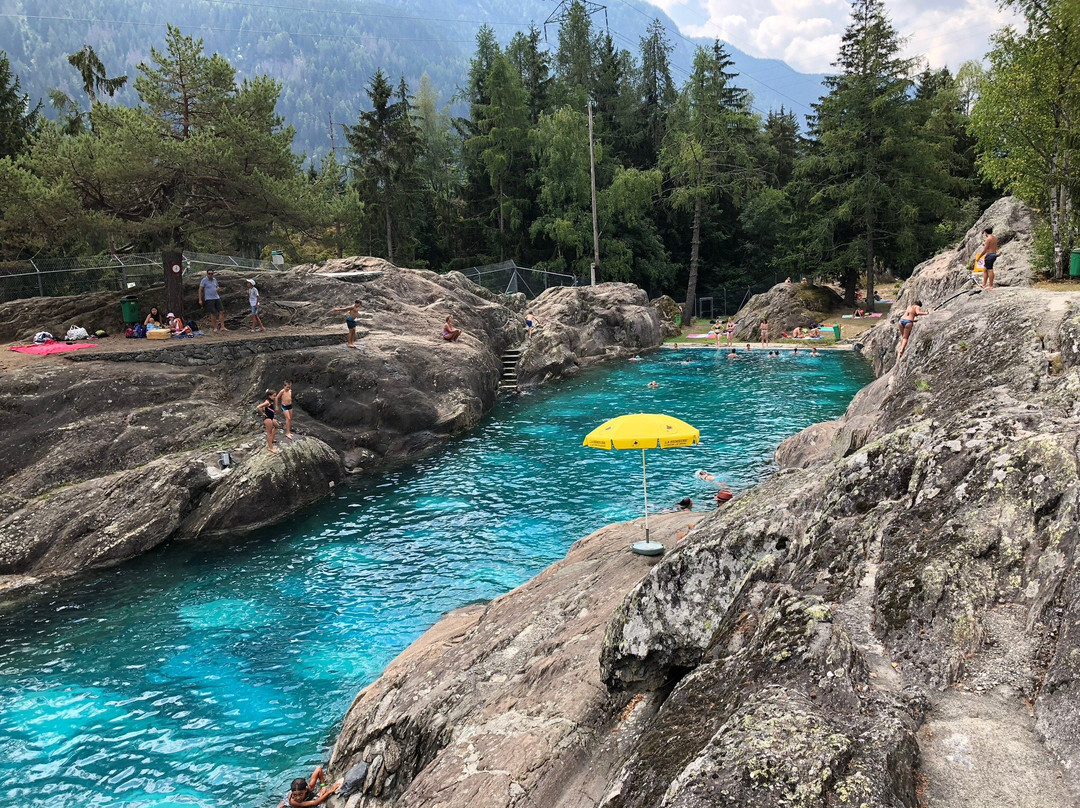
x=325, y=54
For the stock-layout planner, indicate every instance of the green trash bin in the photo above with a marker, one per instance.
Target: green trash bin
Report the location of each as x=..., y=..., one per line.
x=836, y=332
x=129, y=307
x=1074, y=263
x=678, y=321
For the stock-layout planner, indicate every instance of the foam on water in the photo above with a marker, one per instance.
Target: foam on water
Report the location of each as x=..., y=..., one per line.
x=210, y=676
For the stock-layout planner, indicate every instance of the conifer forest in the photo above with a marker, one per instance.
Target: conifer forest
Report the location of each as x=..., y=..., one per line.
x=696, y=188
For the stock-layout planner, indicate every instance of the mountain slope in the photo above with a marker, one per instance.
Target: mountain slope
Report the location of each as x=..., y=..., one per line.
x=325, y=51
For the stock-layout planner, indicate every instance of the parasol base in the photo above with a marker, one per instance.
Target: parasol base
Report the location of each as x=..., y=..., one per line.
x=647, y=548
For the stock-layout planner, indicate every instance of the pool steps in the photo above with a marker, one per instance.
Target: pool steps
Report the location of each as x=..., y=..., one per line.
x=509, y=379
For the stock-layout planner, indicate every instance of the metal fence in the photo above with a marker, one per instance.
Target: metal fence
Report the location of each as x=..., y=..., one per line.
x=54, y=277
x=508, y=278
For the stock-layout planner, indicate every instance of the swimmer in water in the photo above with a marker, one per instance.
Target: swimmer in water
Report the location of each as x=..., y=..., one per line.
x=653, y=385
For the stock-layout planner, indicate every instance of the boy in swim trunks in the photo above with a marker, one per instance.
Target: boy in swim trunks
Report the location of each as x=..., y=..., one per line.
x=907, y=322
x=284, y=400
x=351, y=313
x=990, y=254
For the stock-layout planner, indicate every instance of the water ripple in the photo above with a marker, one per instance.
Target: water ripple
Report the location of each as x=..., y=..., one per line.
x=210, y=676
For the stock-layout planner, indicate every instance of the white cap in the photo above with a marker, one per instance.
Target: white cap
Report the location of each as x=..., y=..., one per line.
x=249, y=280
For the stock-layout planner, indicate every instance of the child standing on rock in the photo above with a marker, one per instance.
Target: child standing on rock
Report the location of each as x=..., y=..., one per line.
x=253, y=302
x=266, y=410
x=284, y=400
x=351, y=313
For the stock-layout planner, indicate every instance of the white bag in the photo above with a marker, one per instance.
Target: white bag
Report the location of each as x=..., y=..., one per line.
x=77, y=332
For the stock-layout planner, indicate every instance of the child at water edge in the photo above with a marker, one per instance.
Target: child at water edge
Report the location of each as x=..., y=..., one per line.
x=302, y=792
x=284, y=400
x=266, y=410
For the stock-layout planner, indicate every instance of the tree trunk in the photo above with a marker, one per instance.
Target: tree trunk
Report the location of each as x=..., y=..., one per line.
x=502, y=223
x=869, y=304
x=173, y=264
x=695, y=249
x=389, y=237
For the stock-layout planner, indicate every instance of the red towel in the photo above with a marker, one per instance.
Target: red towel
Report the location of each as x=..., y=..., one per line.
x=47, y=348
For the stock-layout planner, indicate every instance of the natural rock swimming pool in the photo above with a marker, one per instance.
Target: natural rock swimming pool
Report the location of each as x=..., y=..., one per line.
x=210, y=676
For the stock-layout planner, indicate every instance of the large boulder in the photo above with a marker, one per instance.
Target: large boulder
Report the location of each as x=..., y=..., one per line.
x=938, y=279
x=110, y=452
x=579, y=326
x=786, y=306
x=788, y=650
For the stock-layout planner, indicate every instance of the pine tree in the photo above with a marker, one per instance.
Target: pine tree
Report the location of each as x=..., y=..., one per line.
x=782, y=133
x=870, y=153
x=502, y=146
x=386, y=149
x=182, y=87
x=576, y=58
x=709, y=150
x=94, y=76
x=17, y=118
x=657, y=93
x=616, y=104
x=534, y=68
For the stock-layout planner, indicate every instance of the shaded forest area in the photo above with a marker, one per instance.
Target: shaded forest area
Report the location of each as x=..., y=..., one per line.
x=695, y=189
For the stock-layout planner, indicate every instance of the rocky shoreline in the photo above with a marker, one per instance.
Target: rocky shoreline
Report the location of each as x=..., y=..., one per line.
x=890, y=620
x=112, y=452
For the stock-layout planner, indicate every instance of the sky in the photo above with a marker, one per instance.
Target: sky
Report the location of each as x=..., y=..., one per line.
x=806, y=33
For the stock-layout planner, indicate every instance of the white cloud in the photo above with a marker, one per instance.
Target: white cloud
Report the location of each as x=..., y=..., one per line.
x=806, y=33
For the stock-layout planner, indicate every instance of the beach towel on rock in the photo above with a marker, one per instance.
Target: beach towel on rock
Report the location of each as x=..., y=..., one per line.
x=51, y=347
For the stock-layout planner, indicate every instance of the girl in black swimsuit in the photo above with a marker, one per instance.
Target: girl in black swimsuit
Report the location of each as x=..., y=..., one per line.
x=267, y=411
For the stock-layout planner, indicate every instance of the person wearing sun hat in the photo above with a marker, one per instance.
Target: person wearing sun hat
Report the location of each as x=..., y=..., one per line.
x=177, y=325
x=253, y=301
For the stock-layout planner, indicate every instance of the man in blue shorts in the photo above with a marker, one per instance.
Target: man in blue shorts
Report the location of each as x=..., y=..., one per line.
x=990, y=254
x=210, y=299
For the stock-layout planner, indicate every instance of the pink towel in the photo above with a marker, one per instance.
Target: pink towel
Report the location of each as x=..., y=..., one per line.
x=47, y=348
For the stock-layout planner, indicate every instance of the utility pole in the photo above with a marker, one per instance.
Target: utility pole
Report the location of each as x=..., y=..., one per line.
x=595, y=229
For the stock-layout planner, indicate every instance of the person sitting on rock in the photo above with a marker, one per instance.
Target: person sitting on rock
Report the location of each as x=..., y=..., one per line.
x=176, y=325
x=685, y=504
x=154, y=318
x=449, y=333
x=302, y=792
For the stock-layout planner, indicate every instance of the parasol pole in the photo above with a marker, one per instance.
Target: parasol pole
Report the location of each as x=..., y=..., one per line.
x=645, y=485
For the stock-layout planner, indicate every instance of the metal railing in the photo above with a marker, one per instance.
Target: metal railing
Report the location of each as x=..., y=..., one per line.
x=508, y=278
x=55, y=277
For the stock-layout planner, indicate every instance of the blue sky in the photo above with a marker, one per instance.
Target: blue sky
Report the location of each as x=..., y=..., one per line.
x=806, y=33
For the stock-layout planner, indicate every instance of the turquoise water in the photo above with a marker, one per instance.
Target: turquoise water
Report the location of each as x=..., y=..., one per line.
x=211, y=676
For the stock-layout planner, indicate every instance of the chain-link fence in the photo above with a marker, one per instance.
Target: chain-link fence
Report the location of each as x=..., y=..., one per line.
x=508, y=278
x=55, y=277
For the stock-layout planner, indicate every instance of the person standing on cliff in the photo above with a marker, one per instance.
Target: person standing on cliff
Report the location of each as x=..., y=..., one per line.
x=764, y=331
x=990, y=254
x=907, y=322
x=284, y=401
x=210, y=299
x=351, y=313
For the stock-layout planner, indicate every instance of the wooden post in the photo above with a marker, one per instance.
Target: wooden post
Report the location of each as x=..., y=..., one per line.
x=173, y=262
x=595, y=231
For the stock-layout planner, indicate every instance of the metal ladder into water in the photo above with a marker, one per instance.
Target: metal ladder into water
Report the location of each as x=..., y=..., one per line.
x=509, y=380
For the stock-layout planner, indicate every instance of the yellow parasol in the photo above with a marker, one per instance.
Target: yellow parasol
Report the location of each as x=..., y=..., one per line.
x=643, y=431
